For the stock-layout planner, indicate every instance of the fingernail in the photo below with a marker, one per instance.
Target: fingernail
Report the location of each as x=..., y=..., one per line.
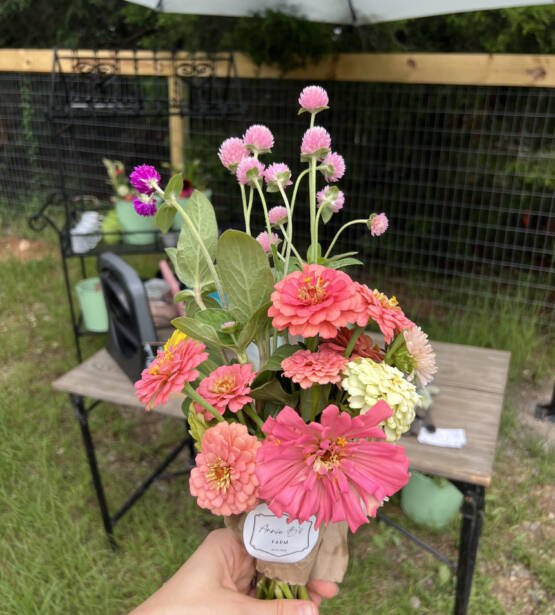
x=307, y=609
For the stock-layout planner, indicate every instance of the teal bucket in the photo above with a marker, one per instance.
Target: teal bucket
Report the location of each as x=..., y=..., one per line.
x=176, y=225
x=93, y=307
x=430, y=502
x=138, y=230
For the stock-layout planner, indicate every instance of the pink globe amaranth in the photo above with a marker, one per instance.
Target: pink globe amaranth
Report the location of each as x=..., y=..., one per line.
x=336, y=203
x=258, y=138
x=264, y=240
x=278, y=215
x=231, y=152
x=313, y=98
x=308, y=368
x=314, y=301
x=338, y=469
x=333, y=167
x=224, y=479
x=378, y=223
x=277, y=174
x=143, y=178
x=226, y=387
x=245, y=173
x=316, y=143
x=145, y=207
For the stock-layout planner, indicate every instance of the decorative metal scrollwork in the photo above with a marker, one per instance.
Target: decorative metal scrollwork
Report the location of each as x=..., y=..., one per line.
x=195, y=68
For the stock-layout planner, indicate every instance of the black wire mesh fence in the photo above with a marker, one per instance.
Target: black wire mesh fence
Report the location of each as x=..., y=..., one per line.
x=466, y=175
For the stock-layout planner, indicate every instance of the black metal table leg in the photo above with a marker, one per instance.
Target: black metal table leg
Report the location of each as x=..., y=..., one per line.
x=471, y=528
x=81, y=415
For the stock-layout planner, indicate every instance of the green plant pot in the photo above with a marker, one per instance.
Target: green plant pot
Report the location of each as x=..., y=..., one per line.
x=138, y=230
x=176, y=225
x=93, y=307
x=430, y=502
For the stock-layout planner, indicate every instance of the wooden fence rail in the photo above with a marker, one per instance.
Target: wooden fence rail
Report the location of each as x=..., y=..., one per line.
x=432, y=68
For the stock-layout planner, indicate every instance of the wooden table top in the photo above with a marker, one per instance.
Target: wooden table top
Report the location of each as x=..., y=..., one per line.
x=471, y=380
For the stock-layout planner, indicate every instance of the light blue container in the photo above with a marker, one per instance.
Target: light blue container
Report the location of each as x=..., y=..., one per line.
x=138, y=230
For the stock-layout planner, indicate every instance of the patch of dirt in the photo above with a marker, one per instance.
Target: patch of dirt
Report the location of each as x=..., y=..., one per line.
x=22, y=249
x=525, y=398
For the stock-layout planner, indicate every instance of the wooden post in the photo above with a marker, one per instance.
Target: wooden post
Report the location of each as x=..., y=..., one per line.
x=176, y=125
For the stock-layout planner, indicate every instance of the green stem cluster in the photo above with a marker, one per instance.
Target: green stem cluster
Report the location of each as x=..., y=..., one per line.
x=271, y=589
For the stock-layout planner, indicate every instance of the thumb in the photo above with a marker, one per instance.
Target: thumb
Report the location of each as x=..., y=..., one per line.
x=252, y=606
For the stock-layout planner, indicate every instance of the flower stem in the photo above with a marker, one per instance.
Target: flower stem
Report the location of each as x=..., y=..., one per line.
x=196, y=397
x=291, y=246
x=241, y=417
x=249, y=208
x=397, y=343
x=245, y=210
x=303, y=593
x=312, y=203
x=353, y=341
x=297, y=183
x=359, y=221
x=315, y=396
x=286, y=590
x=252, y=415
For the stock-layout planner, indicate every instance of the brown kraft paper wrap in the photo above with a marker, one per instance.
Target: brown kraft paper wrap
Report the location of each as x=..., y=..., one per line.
x=327, y=561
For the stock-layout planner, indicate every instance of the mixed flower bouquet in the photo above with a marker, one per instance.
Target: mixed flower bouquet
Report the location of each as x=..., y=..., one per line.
x=295, y=410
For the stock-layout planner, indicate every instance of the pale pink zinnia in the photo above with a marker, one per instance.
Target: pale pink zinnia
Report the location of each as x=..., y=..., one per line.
x=314, y=301
x=169, y=371
x=333, y=167
x=231, y=152
x=381, y=309
x=307, y=368
x=334, y=469
x=378, y=223
x=224, y=479
x=316, y=142
x=226, y=387
x=337, y=202
x=277, y=174
x=250, y=169
x=277, y=215
x=364, y=346
x=422, y=355
x=264, y=240
x=313, y=98
x=258, y=138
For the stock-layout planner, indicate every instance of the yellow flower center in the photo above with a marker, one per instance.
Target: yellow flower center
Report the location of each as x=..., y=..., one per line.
x=166, y=356
x=176, y=337
x=313, y=290
x=223, y=385
x=220, y=475
x=331, y=457
x=387, y=303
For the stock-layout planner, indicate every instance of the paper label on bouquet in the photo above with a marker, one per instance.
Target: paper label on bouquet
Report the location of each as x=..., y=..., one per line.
x=450, y=438
x=273, y=539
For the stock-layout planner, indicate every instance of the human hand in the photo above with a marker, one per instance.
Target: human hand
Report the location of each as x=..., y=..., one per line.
x=216, y=580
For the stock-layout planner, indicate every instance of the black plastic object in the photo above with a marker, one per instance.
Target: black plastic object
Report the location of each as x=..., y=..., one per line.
x=131, y=329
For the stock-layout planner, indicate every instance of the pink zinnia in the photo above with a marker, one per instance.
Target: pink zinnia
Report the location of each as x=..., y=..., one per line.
x=224, y=480
x=277, y=215
x=264, y=240
x=337, y=202
x=226, y=387
x=277, y=174
x=334, y=167
x=258, y=138
x=378, y=223
x=364, y=346
x=313, y=98
x=143, y=178
x=316, y=142
x=307, y=368
x=333, y=469
x=314, y=301
x=231, y=152
x=382, y=310
x=255, y=167
x=422, y=355
x=169, y=371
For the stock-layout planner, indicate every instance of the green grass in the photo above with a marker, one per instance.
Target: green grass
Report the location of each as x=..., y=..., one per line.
x=54, y=557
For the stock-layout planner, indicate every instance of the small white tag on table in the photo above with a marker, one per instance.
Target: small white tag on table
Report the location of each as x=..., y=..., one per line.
x=451, y=438
x=272, y=539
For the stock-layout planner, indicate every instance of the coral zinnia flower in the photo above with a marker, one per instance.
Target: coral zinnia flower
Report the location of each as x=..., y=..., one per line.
x=422, y=355
x=226, y=387
x=384, y=311
x=307, y=368
x=314, y=301
x=331, y=469
x=224, y=480
x=231, y=152
x=173, y=366
x=364, y=346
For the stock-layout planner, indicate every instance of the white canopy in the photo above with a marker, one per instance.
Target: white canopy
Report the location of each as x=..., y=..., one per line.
x=335, y=11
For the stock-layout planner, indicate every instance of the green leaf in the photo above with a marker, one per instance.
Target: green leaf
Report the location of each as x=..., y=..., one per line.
x=174, y=187
x=272, y=391
x=443, y=575
x=307, y=398
x=339, y=256
x=197, y=330
x=254, y=327
x=164, y=217
x=274, y=363
x=189, y=261
x=344, y=262
x=190, y=305
x=214, y=317
x=245, y=274
x=327, y=212
x=313, y=254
